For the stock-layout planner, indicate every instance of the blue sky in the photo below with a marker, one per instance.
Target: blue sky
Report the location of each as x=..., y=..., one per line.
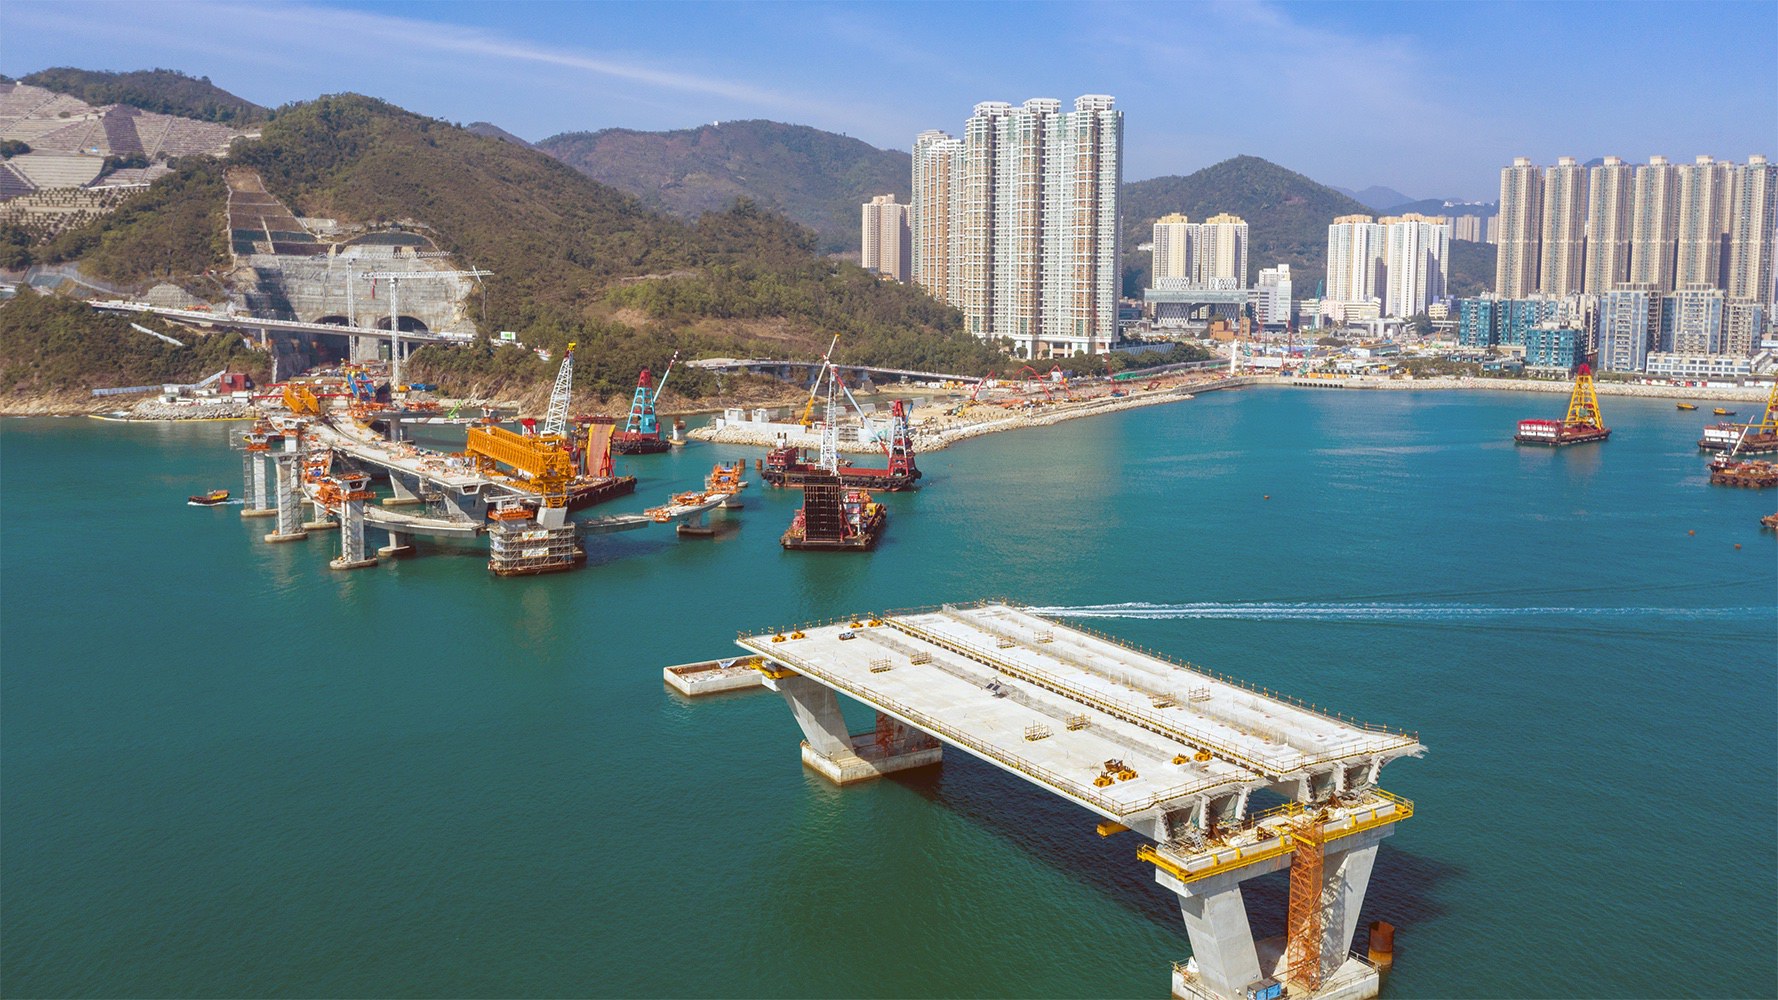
x=1428, y=98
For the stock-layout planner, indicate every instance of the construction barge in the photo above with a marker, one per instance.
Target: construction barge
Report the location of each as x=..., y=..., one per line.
x=788, y=466
x=1581, y=425
x=1757, y=438
x=834, y=518
x=1726, y=470
x=642, y=431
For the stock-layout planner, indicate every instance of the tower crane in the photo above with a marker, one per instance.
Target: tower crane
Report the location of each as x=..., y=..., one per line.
x=815, y=387
x=556, y=421
x=395, y=278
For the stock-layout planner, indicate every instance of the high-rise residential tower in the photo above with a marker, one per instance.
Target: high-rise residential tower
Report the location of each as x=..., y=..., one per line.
x=1023, y=237
x=1704, y=190
x=1354, y=259
x=1654, y=224
x=1562, y=237
x=1609, y=202
x=1753, y=220
x=937, y=158
x=887, y=244
x=1173, y=248
x=1416, y=262
x=1521, y=219
x=1220, y=252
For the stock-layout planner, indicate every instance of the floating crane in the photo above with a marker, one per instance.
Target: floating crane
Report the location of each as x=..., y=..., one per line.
x=1581, y=425
x=642, y=432
x=556, y=421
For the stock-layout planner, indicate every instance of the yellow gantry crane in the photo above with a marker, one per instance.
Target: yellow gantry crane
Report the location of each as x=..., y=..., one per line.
x=539, y=465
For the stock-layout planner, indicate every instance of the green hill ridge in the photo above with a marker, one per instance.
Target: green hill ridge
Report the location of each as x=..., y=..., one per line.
x=165, y=91
x=817, y=178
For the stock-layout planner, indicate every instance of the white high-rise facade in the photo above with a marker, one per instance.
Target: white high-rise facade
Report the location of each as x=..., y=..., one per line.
x=1654, y=224
x=1704, y=191
x=1521, y=219
x=1753, y=229
x=1172, y=249
x=887, y=240
x=1016, y=224
x=1416, y=262
x=1609, y=200
x=1354, y=260
x=1220, y=257
x=1562, y=238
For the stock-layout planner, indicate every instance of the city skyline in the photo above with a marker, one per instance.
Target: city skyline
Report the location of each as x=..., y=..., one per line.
x=660, y=68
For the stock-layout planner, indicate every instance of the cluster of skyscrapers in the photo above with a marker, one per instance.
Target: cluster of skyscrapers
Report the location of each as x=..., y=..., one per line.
x=1016, y=223
x=1397, y=266
x=1661, y=268
x=1571, y=229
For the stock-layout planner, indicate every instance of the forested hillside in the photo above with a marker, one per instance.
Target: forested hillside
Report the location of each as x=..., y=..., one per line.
x=164, y=91
x=817, y=178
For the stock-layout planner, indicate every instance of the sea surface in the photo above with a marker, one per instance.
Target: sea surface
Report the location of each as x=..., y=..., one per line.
x=226, y=770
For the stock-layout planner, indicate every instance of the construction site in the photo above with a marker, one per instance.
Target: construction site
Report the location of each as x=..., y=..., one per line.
x=311, y=458
x=1223, y=781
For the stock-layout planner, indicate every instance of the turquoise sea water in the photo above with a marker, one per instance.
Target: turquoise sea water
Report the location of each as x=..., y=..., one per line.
x=226, y=770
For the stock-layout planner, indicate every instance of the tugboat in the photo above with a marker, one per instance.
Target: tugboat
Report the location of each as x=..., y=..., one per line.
x=1719, y=411
x=834, y=518
x=1580, y=426
x=1726, y=470
x=209, y=499
x=1686, y=406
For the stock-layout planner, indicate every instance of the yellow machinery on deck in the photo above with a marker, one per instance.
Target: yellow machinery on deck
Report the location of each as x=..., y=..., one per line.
x=302, y=401
x=1583, y=402
x=538, y=464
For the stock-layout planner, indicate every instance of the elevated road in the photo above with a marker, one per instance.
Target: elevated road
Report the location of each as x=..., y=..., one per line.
x=761, y=366
x=242, y=321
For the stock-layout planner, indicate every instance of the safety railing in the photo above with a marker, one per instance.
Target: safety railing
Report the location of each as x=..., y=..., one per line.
x=1028, y=768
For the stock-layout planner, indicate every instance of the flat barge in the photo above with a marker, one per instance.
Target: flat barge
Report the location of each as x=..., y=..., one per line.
x=834, y=518
x=788, y=466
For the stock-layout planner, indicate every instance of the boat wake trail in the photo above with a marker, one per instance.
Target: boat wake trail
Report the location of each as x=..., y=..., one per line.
x=1388, y=612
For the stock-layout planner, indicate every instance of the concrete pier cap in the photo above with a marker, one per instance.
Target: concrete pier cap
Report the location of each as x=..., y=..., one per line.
x=1148, y=743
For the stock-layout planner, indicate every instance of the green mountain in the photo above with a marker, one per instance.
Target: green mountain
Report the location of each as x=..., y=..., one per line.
x=1287, y=216
x=572, y=258
x=165, y=91
x=1472, y=268
x=817, y=178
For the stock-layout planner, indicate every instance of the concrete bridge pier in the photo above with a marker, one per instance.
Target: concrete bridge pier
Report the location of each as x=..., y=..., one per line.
x=256, y=498
x=321, y=520
x=1228, y=958
x=289, y=496
x=400, y=544
x=352, y=554
x=834, y=751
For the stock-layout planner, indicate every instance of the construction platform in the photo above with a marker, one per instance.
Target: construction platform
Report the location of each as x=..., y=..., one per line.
x=1164, y=748
x=737, y=673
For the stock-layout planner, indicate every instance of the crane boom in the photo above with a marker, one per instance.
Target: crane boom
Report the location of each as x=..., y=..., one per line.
x=556, y=421
x=662, y=384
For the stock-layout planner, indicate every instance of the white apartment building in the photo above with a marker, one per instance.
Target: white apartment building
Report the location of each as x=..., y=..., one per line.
x=1354, y=260
x=1172, y=249
x=1654, y=224
x=1704, y=192
x=887, y=243
x=1562, y=238
x=1521, y=218
x=1610, y=191
x=1753, y=228
x=1016, y=224
x=1416, y=262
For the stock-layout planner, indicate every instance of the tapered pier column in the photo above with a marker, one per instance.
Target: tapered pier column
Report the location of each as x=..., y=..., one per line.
x=841, y=756
x=399, y=545
x=353, y=491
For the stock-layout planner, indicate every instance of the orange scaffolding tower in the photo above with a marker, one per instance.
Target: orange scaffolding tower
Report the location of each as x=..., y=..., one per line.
x=1303, y=948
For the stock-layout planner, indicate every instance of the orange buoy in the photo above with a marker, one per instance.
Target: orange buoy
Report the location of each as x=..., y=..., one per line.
x=1737, y=545
x=1268, y=496
x=1691, y=532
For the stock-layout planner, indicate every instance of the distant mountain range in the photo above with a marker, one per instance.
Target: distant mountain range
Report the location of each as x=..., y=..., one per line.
x=492, y=131
x=1375, y=196
x=816, y=178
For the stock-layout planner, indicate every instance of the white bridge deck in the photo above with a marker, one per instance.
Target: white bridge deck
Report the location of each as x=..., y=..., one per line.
x=1055, y=704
